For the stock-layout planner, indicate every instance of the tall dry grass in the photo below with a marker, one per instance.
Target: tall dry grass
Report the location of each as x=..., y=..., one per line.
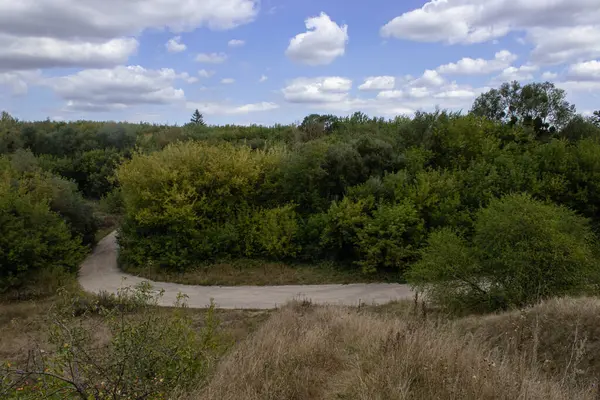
x=306, y=352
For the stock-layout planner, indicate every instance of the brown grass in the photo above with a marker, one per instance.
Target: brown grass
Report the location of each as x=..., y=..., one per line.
x=305, y=352
x=261, y=273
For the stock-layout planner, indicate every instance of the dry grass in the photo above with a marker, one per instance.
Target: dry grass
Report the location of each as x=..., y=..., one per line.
x=261, y=273
x=305, y=352
x=25, y=325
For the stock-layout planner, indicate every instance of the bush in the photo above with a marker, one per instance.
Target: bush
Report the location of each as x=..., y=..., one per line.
x=182, y=204
x=146, y=354
x=391, y=238
x=277, y=230
x=522, y=251
x=33, y=239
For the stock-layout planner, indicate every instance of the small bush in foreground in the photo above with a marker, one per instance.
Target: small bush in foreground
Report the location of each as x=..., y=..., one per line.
x=522, y=251
x=121, y=355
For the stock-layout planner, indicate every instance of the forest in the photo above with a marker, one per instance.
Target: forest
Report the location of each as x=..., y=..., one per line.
x=488, y=209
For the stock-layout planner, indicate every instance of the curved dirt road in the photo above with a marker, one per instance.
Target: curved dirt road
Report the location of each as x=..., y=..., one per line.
x=99, y=272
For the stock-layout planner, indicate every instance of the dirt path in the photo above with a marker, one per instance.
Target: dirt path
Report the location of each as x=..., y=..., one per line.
x=100, y=272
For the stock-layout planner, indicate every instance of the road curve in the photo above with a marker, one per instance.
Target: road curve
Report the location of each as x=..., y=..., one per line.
x=99, y=272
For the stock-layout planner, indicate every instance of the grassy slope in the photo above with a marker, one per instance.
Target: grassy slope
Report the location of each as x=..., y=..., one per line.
x=305, y=352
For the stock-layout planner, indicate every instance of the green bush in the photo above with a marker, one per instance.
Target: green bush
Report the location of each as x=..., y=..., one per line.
x=182, y=204
x=32, y=237
x=391, y=238
x=145, y=355
x=277, y=232
x=522, y=251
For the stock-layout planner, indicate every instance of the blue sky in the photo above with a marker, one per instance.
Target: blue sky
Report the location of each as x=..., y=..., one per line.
x=275, y=61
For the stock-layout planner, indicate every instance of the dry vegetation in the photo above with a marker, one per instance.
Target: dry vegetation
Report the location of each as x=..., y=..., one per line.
x=260, y=273
x=305, y=352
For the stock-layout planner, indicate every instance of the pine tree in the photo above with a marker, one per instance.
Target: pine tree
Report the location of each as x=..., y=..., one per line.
x=197, y=118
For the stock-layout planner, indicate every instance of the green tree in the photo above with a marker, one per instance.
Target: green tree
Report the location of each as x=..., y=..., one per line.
x=197, y=118
x=523, y=250
x=540, y=105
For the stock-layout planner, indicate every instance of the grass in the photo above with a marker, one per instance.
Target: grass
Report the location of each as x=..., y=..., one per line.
x=306, y=352
x=261, y=273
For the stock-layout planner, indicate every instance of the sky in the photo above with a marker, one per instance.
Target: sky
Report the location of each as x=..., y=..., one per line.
x=276, y=61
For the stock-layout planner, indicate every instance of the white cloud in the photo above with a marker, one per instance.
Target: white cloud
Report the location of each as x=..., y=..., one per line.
x=205, y=74
x=227, y=109
x=114, y=18
x=118, y=88
x=192, y=79
x=476, y=21
x=559, y=45
x=18, y=81
x=100, y=33
x=174, y=45
x=559, y=30
x=479, y=66
x=211, y=58
x=378, y=83
x=390, y=94
x=548, y=75
x=430, y=78
x=20, y=53
x=263, y=79
x=317, y=90
x=323, y=42
x=522, y=73
x=585, y=71
x=227, y=81
x=236, y=43
x=333, y=94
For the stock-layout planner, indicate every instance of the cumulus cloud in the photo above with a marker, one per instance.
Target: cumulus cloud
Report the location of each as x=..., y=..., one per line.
x=99, y=33
x=263, y=78
x=378, y=83
x=560, y=45
x=18, y=82
x=317, y=90
x=333, y=94
x=323, y=42
x=560, y=30
x=118, y=88
x=205, y=73
x=430, y=78
x=548, y=75
x=227, y=81
x=175, y=46
x=585, y=71
x=475, y=21
x=479, y=66
x=522, y=73
x=21, y=53
x=236, y=43
x=209, y=108
x=211, y=58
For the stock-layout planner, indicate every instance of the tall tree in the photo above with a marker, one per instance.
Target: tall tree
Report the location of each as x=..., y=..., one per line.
x=541, y=105
x=197, y=118
x=595, y=118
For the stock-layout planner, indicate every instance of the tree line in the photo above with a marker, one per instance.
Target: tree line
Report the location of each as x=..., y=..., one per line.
x=369, y=193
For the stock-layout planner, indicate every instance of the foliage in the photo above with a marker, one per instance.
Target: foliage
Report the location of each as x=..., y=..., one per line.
x=197, y=118
x=522, y=250
x=145, y=355
x=541, y=105
x=33, y=238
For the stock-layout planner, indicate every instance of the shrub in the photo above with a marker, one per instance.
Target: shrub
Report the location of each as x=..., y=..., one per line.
x=391, y=238
x=32, y=239
x=277, y=230
x=181, y=204
x=345, y=219
x=522, y=251
x=146, y=354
